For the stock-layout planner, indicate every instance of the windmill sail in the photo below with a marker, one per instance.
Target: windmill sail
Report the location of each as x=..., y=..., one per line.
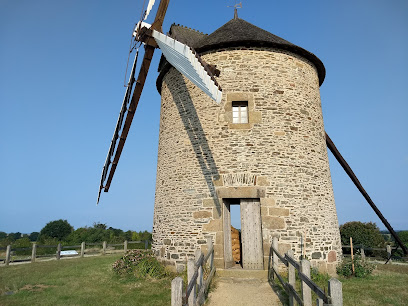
x=182, y=57
x=149, y=8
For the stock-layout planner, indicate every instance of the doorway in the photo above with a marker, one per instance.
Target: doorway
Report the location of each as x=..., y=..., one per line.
x=251, y=246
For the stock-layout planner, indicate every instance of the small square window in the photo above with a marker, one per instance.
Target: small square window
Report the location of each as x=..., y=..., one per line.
x=239, y=111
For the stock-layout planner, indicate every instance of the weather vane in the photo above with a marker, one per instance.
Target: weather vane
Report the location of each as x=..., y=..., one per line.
x=236, y=6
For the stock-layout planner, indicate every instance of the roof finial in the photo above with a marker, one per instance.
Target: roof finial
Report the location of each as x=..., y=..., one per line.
x=236, y=6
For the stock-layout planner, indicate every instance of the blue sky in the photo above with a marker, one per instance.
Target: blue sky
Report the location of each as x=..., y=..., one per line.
x=62, y=66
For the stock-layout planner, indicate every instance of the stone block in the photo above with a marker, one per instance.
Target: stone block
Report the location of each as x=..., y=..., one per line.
x=273, y=222
x=202, y=214
x=174, y=256
x=218, y=181
x=275, y=211
x=262, y=181
x=219, y=238
x=322, y=267
x=241, y=192
x=218, y=250
x=217, y=212
x=283, y=247
x=219, y=263
x=316, y=255
x=264, y=211
x=279, y=133
x=331, y=269
x=214, y=226
x=166, y=241
x=208, y=202
x=332, y=256
x=268, y=202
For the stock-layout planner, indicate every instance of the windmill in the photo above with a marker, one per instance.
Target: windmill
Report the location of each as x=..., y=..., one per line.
x=245, y=145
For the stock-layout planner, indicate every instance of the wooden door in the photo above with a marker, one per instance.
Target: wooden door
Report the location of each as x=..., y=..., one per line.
x=228, y=260
x=251, y=234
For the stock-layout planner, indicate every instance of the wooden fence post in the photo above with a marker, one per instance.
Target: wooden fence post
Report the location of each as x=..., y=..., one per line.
x=389, y=253
x=34, y=252
x=335, y=292
x=83, y=249
x=146, y=244
x=58, y=255
x=125, y=246
x=190, y=274
x=275, y=257
x=292, y=278
x=177, y=292
x=200, y=277
x=352, y=254
x=104, y=248
x=8, y=253
x=211, y=258
x=306, y=291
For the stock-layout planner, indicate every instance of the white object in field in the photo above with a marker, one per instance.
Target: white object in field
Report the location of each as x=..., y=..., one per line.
x=69, y=252
x=149, y=8
x=140, y=25
x=183, y=59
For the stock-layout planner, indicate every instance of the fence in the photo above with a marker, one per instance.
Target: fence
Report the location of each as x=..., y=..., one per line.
x=387, y=253
x=334, y=297
x=197, y=286
x=99, y=248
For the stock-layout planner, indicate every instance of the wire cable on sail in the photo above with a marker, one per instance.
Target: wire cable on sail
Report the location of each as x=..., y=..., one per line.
x=119, y=124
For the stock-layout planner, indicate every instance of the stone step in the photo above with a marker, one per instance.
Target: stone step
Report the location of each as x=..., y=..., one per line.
x=241, y=273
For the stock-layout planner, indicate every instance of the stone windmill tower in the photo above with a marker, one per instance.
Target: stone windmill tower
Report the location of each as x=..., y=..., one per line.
x=263, y=148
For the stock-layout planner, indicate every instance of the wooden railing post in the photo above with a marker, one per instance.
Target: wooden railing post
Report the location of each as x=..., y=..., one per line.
x=8, y=253
x=209, y=247
x=34, y=252
x=335, y=292
x=58, y=251
x=306, y=291
x=125, y=246
x=362, y=254
x=83, y=249
x=200, y=277
x=177, y=292
x=275, y=257
x=104, y=248
x=389, y=253
x=146, y=244
x=292, y=277
x=190, y=274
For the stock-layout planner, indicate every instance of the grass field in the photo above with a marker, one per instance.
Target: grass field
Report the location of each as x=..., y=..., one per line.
x=82, y=281
x=90, y=281
x=388, y=285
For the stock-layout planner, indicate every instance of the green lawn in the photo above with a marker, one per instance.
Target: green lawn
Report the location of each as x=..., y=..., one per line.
x=388, y=285
x=81, y=281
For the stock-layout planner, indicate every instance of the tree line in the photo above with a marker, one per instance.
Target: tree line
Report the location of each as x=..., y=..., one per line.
x=60, y=231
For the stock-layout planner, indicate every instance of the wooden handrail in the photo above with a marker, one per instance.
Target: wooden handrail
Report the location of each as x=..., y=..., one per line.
x=306, y=281
x=195, y=278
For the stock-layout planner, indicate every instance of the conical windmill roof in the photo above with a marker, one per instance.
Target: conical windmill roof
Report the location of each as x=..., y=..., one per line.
x=235, y=33
x=238, y=32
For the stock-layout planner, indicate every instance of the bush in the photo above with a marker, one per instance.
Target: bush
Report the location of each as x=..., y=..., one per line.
x=362, y=268
x=141, y=264
x=367, y=235
x=58, y=229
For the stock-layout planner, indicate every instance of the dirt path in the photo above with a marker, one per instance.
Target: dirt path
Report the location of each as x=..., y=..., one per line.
x=242, y=291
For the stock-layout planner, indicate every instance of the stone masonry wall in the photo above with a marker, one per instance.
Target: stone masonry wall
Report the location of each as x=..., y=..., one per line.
x=280, y=156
